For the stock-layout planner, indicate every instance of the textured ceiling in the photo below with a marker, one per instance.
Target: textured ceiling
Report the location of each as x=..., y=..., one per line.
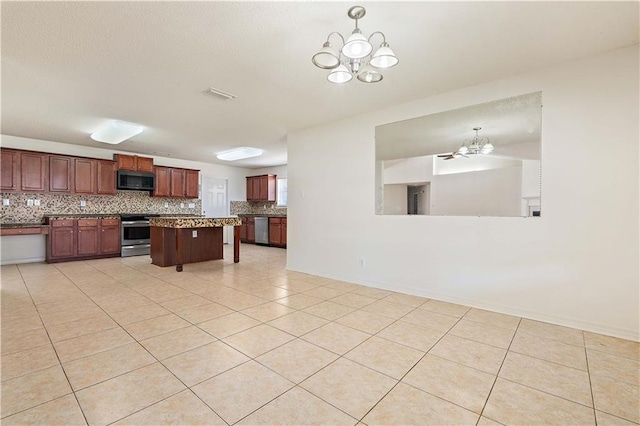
x=68, y=67
x=513, y=125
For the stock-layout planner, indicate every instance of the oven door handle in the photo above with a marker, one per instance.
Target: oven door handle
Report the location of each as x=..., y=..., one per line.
x=137, y=246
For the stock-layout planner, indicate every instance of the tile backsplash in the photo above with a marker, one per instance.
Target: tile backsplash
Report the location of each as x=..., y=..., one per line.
x=256, y=207
x=18, y=210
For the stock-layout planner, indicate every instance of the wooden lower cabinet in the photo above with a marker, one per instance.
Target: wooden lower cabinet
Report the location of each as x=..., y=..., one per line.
x=278, y=231
x=87, y=243
x=248, y=230
x=196, y=245
x=74, y=239
x=251, y=230
x=110, y=236
x=61, y=240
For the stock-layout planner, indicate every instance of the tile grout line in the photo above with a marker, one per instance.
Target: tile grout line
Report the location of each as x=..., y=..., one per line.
x=158, y=361
x=54, y=349
x=486, y=401
x=593, y=401
x=413, y=366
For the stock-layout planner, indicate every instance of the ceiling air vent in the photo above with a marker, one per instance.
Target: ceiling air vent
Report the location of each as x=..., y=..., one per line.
x=219, y=94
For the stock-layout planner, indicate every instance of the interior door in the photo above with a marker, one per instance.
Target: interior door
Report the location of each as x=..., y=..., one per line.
x=215, y=201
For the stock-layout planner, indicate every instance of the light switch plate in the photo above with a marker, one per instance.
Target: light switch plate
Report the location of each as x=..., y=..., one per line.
x=83, y=203
x=194, y=234
x=36, y=202
x=29, y=203
x=5, y=202
x=192, y=205
x=182, y=205
x=166, y=204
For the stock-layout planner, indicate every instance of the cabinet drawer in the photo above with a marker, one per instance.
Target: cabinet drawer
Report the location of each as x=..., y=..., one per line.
x=110, y=222
x=20, y=231
x=61, y=223
x=87, y=222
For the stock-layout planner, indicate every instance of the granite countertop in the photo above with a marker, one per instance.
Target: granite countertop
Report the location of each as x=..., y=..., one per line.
x=261, y=215
x=23, y=225
x=194, y=222
x=80, y=216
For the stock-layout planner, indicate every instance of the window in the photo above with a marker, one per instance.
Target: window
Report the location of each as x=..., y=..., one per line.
x=282, y=192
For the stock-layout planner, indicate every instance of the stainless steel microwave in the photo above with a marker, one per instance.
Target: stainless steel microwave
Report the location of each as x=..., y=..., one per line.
x=136, y=180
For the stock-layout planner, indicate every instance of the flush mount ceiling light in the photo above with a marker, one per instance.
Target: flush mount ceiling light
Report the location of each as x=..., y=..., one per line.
x=219, y=93
x=355, y=56
x=116, y=132
x=477, y=145
x=239, y=153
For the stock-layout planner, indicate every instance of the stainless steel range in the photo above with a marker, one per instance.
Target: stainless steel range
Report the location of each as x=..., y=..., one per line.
x=135, y=234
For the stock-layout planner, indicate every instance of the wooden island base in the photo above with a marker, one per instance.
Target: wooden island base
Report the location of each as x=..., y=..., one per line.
x=181, y=244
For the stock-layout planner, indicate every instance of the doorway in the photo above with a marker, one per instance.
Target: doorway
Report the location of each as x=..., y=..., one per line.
x=215, y=201
x=418, y=199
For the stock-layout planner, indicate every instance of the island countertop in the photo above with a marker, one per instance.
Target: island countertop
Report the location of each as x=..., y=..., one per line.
x=194, y=222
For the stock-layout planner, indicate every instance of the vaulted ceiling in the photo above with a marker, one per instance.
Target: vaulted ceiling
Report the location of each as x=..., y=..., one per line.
x=68, y=67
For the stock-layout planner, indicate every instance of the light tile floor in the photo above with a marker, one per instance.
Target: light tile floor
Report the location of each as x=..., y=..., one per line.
x=120, y=341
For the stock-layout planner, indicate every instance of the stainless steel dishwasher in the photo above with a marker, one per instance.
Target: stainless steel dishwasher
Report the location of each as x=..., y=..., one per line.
x=262, y=230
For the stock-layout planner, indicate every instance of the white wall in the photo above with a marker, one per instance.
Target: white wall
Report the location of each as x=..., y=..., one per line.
x=531, y=178
x=395, y=199
x=484, y=193
x=577, y=265
x=279, y=171
x=408, y=170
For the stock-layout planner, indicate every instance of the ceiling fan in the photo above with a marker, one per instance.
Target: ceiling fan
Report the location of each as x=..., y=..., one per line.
x=451, y=156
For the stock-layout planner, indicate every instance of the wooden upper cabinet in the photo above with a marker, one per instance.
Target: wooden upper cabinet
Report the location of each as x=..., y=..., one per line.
x=10, y=169
x=192, y=180
x=106, y=177
x=134, y=163
x=261, y=188
x=125, y=162
x=33, y=171
x=144, y=164
x=85, y=175
x=60, y=173
x=250, y=189
x=256, y=189
x=163, y=181
x=177, y=183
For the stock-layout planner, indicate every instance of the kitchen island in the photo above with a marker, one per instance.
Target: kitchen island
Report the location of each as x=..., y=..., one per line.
x=181, y=240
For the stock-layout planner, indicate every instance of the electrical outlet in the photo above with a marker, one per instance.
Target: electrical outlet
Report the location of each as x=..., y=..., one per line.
x=361, y=262
x=29, y=203
x=182, y=205
x=36, y=202
x=166, y=204
x=194, y=234
x=192, y=205
x=83, y=203
x=5, y=202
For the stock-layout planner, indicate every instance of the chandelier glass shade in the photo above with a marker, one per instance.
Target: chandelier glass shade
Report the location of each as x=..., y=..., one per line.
x=355, y=56
x=476, y=145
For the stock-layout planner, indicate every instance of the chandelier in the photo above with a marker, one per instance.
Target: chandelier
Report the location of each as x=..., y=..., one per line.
x=477, y=145
x=355, y=56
